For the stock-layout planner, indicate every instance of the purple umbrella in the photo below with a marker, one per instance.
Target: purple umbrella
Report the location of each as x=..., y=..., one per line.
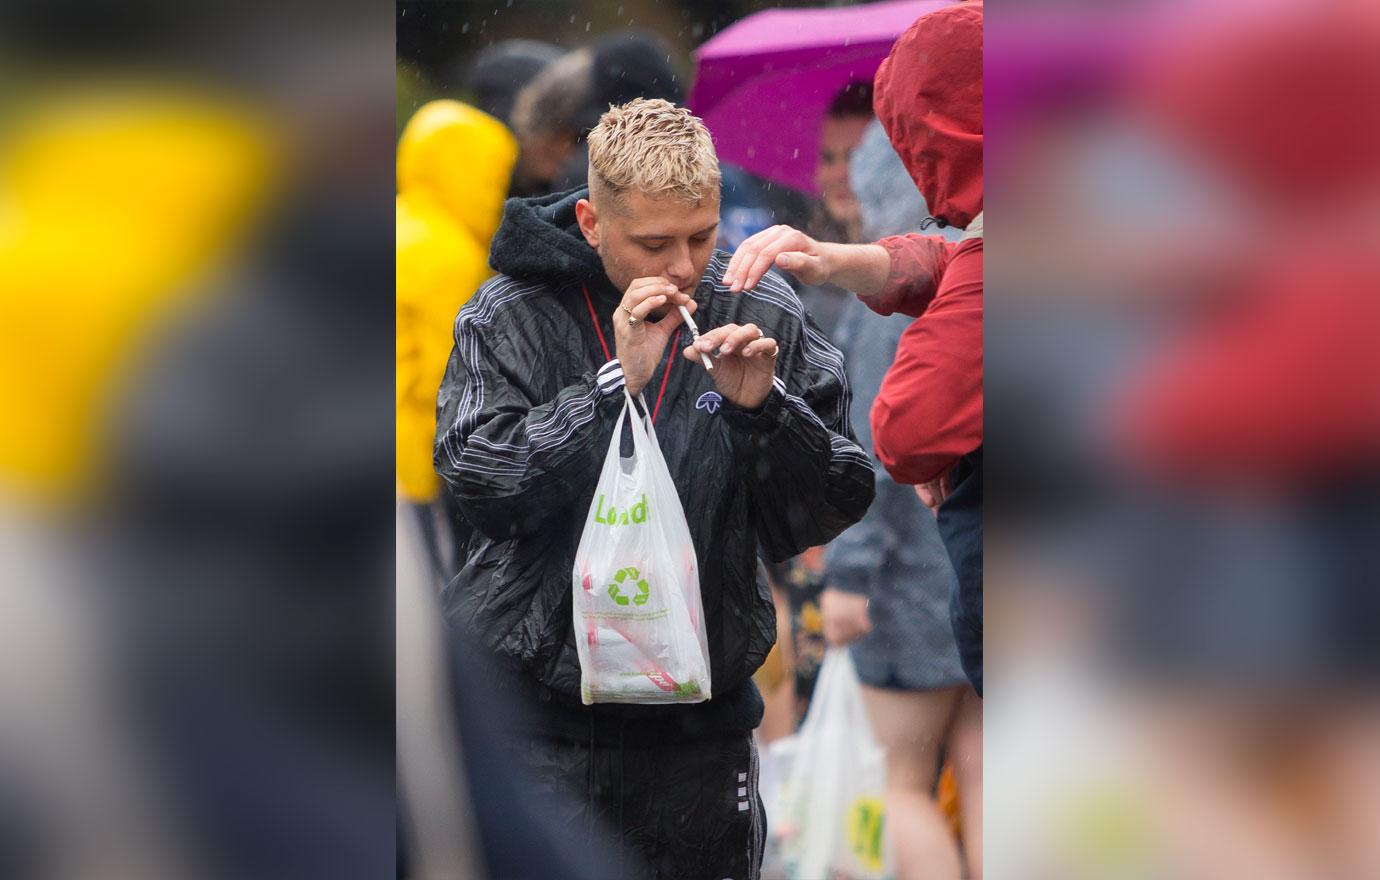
x=762, y=85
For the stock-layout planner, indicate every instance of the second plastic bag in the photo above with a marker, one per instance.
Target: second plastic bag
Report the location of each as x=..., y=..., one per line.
x=829, y=818
x=639, y=619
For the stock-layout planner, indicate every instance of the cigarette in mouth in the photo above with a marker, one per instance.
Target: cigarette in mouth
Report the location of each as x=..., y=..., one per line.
x=695, y=334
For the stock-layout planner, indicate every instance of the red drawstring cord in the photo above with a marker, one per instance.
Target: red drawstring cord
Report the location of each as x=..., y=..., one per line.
x=670, y=360
x=597, y=329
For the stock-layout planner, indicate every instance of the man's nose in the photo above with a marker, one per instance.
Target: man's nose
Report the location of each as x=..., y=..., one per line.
x=681, y=269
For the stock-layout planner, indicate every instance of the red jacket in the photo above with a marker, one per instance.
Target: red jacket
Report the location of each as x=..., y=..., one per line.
x=1275, y=381
x=928, y=413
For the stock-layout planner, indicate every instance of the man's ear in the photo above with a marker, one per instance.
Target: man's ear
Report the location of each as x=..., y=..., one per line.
x=588, y=219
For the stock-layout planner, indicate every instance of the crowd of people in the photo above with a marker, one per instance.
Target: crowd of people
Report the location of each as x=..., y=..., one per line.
x=559, y=221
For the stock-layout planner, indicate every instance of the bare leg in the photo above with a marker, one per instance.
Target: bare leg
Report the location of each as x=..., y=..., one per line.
x=965, y=750
x=911, y=726
x=1350, y=753
x=776, y=678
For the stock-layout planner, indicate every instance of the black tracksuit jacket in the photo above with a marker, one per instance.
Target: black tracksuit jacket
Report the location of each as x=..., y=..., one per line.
x=525, y=414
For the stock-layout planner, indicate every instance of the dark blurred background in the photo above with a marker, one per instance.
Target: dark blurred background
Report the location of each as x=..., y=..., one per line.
x=438, y=41
x=1183, y=620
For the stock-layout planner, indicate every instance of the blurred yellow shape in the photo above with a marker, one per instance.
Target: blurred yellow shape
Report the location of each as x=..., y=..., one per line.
x=116, y=202
x=1106, y=831
x=454, y=165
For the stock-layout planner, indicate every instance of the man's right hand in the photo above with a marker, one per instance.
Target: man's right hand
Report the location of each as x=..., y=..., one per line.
x=639, y=342
x=780, y=246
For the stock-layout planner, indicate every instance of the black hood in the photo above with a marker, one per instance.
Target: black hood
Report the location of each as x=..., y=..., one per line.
x=539, y=239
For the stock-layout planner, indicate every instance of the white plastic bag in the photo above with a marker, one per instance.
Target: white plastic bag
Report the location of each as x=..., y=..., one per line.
x=639, y=620
x=830, y=819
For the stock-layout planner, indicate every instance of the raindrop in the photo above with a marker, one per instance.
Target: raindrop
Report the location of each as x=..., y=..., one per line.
x=619, y=13
x=465, y=28
x=510, y=4
x=697, y=30
x=587, y=27
x=795, y=154
x=572, y=19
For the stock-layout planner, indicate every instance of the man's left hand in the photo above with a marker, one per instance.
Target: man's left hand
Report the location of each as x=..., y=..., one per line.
x=744, y=363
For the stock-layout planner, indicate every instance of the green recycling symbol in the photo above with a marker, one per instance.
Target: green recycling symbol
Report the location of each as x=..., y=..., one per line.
x=632, y=579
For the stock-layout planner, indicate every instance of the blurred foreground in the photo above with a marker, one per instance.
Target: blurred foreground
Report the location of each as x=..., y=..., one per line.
x=1183, y=389
x=195, y=447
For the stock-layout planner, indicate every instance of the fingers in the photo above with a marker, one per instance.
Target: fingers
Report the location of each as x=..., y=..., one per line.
x=712, y=339
x=840, y=630
x=802, y=265
x=744, y=254
x=669, y=324
x=647, y=305
x=642, y=289
x=764, y=346
x=739, y=338
x=932, y=494
x=748, y=340
x=757, y=254
x=786, y=239
x=673, y=318
x=658, y=289
x=832, y=636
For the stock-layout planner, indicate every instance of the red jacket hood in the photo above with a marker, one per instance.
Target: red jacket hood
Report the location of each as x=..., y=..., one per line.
x=928, y=95
x=1284, y=103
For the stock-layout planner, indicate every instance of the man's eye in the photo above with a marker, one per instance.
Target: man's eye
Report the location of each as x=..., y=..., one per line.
x=699, y=239
x=653, y=248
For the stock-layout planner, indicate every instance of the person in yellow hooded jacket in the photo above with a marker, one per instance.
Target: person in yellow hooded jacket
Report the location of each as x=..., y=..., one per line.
x=454, y=167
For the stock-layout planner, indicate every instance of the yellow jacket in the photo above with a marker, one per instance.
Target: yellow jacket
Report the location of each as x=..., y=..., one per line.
x=454, y=165
x=118, y=206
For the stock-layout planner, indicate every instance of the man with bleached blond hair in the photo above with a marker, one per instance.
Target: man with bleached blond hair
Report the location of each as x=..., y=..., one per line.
x=584, y=306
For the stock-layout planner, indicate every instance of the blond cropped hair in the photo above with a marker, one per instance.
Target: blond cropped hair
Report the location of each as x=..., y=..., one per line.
x=655, y=147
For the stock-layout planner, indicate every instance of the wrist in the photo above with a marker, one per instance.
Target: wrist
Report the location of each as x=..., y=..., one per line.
x=610, y=378
x=762, y=419
x=751, y=403
x=861, y=268
x=829, y=259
